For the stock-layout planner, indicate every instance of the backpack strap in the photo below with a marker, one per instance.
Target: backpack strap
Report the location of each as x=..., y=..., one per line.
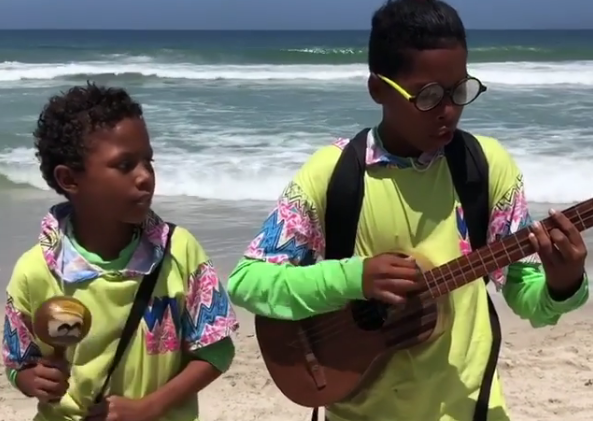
x=344, y=196
x=469, y=170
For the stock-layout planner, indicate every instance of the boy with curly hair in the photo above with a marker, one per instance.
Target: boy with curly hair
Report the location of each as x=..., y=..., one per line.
x=97, y=246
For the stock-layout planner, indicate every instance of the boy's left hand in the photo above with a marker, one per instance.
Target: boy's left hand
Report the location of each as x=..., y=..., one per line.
x=562, y=252
x=117, y=408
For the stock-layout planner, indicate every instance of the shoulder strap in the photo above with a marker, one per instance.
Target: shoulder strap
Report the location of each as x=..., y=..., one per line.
x=141, y=301
x=469, y=170
x=343, y=203
x=344, y=196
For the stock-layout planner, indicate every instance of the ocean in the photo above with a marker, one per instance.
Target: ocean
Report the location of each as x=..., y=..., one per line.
x=232, y=115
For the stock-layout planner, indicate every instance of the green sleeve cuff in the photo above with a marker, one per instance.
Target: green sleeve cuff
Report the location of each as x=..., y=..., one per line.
x=560, y=307
x=219, y=354
x=526, y=293
x=353, y=269
x=11, y=374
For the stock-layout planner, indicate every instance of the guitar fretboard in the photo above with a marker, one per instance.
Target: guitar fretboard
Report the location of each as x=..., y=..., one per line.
x=457, y=273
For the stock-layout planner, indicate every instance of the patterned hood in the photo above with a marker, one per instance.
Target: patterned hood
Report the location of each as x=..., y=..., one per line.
x=70, y=267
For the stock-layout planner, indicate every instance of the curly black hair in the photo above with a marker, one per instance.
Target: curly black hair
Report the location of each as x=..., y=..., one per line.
x=67, y=120
x=401, y=26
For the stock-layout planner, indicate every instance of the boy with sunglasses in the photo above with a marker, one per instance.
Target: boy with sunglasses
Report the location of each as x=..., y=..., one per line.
x=418, y=75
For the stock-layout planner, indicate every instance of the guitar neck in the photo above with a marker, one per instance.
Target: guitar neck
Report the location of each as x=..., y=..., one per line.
x=499, y=254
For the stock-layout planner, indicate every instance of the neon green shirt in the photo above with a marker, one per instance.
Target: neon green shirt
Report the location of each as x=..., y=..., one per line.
x=409, y=206
x=220, y=354
x=189, y=311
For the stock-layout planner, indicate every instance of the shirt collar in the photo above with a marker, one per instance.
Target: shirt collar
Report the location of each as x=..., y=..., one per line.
x=376, y=155
x=69, y=266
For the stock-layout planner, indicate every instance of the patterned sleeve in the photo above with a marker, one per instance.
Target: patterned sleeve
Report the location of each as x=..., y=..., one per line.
x=18, y=347
x=509, y=214
x=208, y=316
x=283, y=275
x=291, y=233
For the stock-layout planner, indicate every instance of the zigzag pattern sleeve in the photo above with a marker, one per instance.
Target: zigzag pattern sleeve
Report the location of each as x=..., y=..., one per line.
x=291, y=233
x=18, y=346
x=208, y=316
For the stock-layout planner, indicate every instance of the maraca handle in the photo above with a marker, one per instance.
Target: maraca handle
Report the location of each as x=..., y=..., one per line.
x=59, y=353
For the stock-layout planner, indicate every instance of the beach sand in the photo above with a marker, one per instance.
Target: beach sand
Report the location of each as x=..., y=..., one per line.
x=547, y=373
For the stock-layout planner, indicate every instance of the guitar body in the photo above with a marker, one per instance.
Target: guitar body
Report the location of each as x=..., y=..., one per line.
x=326, y=359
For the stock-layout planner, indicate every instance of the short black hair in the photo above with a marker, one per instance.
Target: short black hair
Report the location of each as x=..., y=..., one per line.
x=68, y=118
x=401, y=26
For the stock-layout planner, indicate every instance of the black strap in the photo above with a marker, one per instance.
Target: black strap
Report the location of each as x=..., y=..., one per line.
x=469, y=170
x=315, y=415
x=344, y=195
x=141, y=301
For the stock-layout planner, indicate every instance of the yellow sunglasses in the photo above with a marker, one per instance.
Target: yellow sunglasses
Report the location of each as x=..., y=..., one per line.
x=466, y=91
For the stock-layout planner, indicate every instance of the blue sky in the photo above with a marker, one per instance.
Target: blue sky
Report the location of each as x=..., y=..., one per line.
x=278, y=14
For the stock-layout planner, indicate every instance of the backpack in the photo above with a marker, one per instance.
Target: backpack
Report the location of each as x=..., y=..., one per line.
x=469, y=171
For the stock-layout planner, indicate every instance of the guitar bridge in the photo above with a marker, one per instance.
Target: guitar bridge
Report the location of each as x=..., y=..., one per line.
x=313, y=365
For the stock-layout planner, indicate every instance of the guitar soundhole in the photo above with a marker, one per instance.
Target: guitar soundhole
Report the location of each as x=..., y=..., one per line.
x=369, y=315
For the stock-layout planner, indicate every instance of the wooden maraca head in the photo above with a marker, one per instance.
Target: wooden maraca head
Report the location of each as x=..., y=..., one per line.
x=62, y=322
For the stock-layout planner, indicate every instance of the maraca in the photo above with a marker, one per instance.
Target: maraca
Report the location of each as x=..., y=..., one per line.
x=62, y=322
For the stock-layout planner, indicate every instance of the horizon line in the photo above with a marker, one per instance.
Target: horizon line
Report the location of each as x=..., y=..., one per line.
x=270, y=30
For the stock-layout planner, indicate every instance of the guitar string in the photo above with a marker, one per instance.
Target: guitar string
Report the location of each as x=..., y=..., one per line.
x=327, y=331
x=329, y=327
x=461, y=269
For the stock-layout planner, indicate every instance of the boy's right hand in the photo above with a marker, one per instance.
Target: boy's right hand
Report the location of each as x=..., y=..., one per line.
x=389, y=277
x=47, y=381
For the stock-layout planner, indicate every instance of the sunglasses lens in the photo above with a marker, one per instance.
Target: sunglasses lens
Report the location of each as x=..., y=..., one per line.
x=429, y=97
x=466, y=92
